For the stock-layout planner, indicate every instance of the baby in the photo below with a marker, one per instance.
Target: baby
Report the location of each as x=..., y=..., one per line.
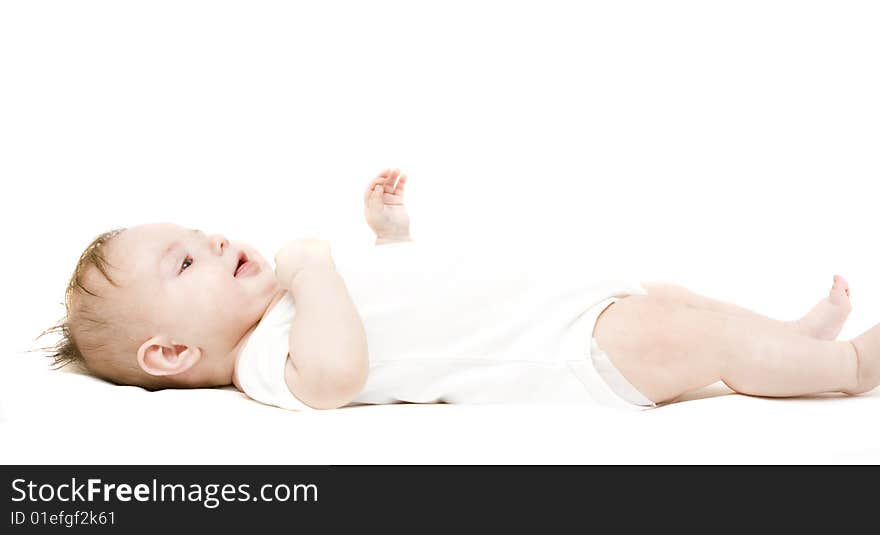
x=160, y=306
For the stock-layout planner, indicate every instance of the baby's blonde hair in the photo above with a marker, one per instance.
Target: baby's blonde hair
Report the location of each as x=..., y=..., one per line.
x=93, y=338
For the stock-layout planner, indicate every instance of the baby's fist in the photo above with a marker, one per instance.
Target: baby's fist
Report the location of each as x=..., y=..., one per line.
x=298, y=254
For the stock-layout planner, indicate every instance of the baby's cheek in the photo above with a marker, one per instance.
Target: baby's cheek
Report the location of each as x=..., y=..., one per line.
x=226, y=307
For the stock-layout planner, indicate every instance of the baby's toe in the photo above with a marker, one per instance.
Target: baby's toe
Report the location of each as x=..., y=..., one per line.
x=841, y=284
x=839, y=290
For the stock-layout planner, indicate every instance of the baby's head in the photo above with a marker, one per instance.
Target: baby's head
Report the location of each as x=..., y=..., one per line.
x=161, y=306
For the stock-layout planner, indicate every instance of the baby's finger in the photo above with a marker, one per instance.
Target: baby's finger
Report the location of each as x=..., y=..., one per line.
x=377, y=180
x=401, y=183
x=374, y=201
x=369, y=191
x=388, y=182
x=384, y=179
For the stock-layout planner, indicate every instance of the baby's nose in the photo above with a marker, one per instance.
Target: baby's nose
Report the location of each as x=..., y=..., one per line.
x=219, y=243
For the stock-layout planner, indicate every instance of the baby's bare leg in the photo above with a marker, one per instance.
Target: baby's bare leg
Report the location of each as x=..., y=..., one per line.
x=665, y=349
x=675, y=292
x=824, y=320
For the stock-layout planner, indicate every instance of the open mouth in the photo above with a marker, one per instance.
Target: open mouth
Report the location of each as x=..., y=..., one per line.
x=242, y=260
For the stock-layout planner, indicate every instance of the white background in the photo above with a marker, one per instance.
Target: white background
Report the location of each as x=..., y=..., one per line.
x=729, y=147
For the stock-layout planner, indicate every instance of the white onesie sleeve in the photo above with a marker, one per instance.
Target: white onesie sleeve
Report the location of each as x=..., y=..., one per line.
x=260, y=367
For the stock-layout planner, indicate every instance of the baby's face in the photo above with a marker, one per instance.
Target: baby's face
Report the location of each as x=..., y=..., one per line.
x=183, y=283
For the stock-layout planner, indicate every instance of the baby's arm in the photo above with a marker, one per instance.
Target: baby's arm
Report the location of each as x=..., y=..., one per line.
x=328, y=362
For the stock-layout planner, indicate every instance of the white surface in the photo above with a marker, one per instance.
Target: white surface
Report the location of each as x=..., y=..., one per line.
x=731, y=148
x=68, y=418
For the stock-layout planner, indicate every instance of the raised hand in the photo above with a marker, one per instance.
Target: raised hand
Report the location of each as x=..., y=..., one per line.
x=384, y=209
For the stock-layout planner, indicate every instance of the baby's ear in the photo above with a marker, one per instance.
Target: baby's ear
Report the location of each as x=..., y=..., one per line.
x=160, y=356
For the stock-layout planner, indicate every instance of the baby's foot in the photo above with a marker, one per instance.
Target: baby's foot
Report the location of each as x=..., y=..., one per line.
x=867, y=349
x=826, y=318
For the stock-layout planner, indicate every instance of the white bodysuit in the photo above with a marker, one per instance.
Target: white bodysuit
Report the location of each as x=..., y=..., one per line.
x=458, y=324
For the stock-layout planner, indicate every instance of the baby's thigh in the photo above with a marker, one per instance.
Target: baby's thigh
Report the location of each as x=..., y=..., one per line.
x=653, y=343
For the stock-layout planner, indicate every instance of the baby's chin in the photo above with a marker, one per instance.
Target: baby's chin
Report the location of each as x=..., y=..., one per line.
x=271, y=292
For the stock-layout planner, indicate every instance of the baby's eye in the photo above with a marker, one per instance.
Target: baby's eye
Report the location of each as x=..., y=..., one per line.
x=187, y=262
